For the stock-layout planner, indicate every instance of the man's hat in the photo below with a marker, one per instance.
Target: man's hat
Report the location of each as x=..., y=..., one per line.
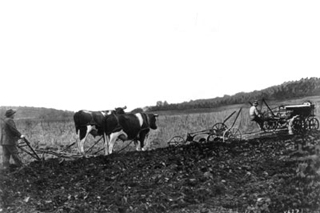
x=255, y=102
x=10, y=112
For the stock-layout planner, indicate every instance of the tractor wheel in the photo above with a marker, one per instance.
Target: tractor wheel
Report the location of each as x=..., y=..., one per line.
x=313, y=123
x=299, y=125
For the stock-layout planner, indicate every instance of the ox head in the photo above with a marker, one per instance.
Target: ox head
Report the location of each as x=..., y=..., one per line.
x=152, y=120
x=120, y=110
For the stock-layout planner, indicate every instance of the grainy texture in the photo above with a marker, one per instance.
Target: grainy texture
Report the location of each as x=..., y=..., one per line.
x=259, y=174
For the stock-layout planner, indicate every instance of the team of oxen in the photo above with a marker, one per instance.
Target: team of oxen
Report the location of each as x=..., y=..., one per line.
x=113, y=125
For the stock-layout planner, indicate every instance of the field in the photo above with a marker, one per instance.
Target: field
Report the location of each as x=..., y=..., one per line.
x=57, y=135
x=214, y=177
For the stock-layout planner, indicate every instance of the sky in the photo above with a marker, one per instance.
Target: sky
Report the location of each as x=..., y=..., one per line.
x=102, y=54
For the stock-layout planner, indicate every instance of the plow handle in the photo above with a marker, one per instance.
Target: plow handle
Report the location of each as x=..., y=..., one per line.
x=225, y=120
x=236, y=117
x=32, y=150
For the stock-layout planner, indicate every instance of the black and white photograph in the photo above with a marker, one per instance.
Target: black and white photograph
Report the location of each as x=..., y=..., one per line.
x=147, y=106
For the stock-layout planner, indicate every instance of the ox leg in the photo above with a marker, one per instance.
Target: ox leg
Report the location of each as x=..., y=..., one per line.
x=138, y=145
x=146, y=143
x=106, y=144
x=144, y=140
x=82, y=136
x=113, y=137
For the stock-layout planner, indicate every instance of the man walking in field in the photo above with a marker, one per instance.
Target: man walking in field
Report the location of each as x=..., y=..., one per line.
x=256, y=115
x=9, y=139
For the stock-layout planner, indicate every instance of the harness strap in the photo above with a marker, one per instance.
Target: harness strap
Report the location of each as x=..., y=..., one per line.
x=147, y=120
x=118, y=127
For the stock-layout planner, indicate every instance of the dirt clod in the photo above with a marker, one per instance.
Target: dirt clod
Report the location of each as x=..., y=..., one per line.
x=206, y=177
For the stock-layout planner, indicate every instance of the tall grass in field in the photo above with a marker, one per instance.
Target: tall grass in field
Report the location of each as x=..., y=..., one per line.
x=59, y=134
x=44, y=134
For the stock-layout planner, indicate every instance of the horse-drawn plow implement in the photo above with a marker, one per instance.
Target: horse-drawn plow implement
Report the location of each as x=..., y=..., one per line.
x=219, y=132
x=68, y=152
x=63, y=153
x=42, y=154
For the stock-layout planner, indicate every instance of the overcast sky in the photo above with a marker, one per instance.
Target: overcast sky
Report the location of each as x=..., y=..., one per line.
x=97, y=55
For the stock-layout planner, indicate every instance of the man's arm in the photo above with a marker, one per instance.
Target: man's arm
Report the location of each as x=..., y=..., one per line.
x=12, y=126
x=257, y=112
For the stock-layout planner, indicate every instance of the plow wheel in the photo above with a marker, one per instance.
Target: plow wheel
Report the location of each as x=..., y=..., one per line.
x=219, y=128
x=202, y=140
x=313, y=123
x=212, y=138
x=232, y=135
x=176, y=140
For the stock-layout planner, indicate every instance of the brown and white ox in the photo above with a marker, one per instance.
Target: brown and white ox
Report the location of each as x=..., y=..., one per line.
x=129, y=126
x=92, y=122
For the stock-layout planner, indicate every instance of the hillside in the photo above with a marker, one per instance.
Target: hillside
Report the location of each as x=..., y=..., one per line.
x=24, y=112
x=286, y=91
x=292, y=90
x=263, y=175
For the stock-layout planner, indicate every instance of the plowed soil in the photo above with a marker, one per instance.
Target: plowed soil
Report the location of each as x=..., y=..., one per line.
x=258, y=175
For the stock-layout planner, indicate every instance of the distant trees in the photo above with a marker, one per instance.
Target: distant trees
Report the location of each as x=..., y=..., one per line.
x=160, y=103
x=288, y=90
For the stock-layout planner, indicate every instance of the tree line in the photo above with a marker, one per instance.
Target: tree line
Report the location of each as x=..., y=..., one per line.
x=288, y=90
